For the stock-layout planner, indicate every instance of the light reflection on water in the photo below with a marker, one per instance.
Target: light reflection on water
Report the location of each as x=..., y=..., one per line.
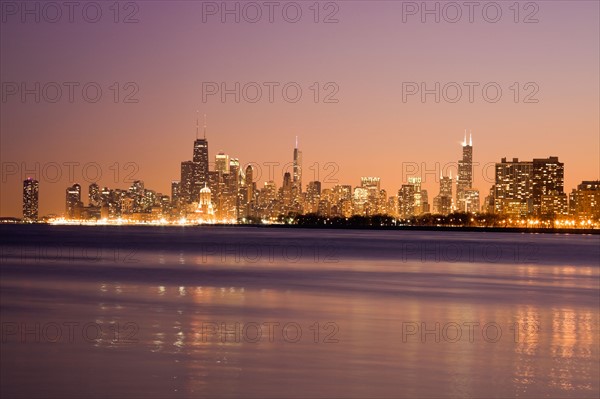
x=547, y=313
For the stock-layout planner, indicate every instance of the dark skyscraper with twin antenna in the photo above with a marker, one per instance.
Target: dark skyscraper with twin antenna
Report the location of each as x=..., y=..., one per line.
x=464, y=180
x=194, y=173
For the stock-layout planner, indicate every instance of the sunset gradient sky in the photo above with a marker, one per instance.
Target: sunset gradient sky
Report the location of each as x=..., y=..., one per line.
x=368, y=54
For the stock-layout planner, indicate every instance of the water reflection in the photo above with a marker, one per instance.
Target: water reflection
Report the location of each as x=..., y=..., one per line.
x=404, y=329
x=554, y=349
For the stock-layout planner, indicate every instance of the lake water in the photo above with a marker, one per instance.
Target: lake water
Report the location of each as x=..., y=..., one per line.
x=274, y=312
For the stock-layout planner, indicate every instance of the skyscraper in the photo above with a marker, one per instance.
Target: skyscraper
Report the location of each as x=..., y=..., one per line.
x=138, y=192
x=446, y=185
x=371, y=183
x=297, y=170
x=406, y=201
x=30, y=199
x=222, y=163
x=187, y=184
x=250, y=187
x=201, y=159
x=194, y=173
x=530, y=187
x=313, y=196
x=73, y=202
x=471, y=200
x=360, y=198
x=175, y=193
x=548, y=186
x=442, y=203
x=464, y=180
x=94, y=195
x=373, y=187
x=417, y=194
x=287, y=190
x=584, y=201
x=513, y=190
x=233, y=187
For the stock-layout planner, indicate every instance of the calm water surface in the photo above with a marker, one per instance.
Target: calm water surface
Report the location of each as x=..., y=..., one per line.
x=268, y=312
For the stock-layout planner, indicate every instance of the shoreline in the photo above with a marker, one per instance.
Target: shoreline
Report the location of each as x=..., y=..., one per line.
x=521, y=230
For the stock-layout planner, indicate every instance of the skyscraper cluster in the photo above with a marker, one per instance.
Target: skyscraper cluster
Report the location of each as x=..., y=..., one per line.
x=230, y=193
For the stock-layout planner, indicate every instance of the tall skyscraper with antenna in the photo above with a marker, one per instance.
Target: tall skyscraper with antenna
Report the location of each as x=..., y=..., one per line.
x=194, y=173
x=464, y=180
x=201, y=157
x=297, y=170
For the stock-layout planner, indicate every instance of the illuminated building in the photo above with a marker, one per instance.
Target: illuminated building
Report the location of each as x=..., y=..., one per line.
x=342, y=199
x=360, y=198
x=213, y=182
x=222, y=163
x=175, y=193
x=267, y=203
x=287, y=192
x=73, y=202
x=464, y=180
x=324, y=208
x=584, y=201
x=194, y=173
x=205, y=211
x=248, y=191
x=164, y=203
x=392, y=206
x=547, y=188
x=442, y=203
x=233, y=189
x=313, y=196
x=200, y=157
x=376, y=202
x=297, y=172
x=417, y=200
x=425, y=202
x=187, y=185
x=488, y=202
x=406, y=201
x=371, y=183
x=513, y=188
x=94, y=195
x=530, y=187
x=446, y=185
x=297, y=167
x=138, y=193
x=30, y=199
x=471, y=200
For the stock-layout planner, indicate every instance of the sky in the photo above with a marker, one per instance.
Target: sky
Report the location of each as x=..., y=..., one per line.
x=120, y=89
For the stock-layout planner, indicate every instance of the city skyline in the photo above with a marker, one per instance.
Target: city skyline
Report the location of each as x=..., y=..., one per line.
x=228, y=193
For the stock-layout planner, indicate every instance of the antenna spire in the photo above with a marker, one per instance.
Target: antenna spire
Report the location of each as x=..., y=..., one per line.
x=205, y=126
x=465, y=139
x=296, y=142
x=470, y=138
x=197, y=128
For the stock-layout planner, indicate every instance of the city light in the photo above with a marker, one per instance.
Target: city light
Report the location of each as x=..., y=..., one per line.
x=526, y=194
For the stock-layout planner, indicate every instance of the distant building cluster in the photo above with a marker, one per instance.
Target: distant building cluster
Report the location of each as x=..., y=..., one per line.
x=523, y=190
